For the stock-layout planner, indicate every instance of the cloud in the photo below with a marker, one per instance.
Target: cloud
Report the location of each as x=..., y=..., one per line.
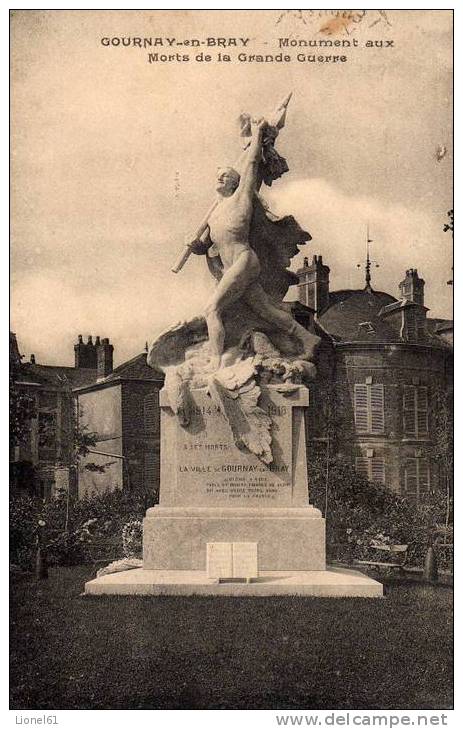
x=403, y=237
x=49, y=311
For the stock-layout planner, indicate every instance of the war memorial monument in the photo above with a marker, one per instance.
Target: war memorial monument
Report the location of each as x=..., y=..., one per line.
x=234, y=514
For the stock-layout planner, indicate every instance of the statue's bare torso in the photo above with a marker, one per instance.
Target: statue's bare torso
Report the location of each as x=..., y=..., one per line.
x=229, y=228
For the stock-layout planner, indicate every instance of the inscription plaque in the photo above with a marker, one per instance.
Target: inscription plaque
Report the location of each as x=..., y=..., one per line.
x=226, y=560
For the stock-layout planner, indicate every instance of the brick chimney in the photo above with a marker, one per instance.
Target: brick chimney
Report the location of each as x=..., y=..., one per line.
x=412, y=287
x=314, y=284
x=85, y=354
x=104, y=357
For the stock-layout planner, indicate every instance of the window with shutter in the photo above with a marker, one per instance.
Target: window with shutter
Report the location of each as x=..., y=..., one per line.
x=376, y=393
x=409, y=409
x=150, y=413
x=149, y=468
x=416, y=479
x=377, y=469
x=372, y=468
x=369, y=408
x=422, y=410
x=361, y=408
x=411, y=481
x=415, y=410
x=423, y=478
x=48, y=401
x=48, y=441
x=47, y=436
x=361, y=466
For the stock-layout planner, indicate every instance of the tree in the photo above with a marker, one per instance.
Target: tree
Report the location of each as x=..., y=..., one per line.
x=443, y=449
x=22, y=405
x=83, y=441
x=22, y=411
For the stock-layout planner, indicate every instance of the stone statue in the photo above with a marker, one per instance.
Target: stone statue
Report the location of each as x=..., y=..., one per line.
x=229, y=230
x=246, y=336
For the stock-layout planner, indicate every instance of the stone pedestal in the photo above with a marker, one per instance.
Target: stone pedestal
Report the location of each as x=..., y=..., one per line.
x=333, y=582
x=211, y=491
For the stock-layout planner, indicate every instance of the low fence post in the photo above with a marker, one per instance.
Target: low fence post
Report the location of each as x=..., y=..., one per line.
x=430, y=572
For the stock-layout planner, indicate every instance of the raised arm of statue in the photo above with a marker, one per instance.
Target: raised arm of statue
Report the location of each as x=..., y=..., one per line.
x=251, y=161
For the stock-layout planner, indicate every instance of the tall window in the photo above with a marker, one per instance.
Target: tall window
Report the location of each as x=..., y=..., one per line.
x=48, y=446
x=416, y=479
x=151, y=413
x=369, y=408
x=151, y=428
x=150, y=469
x=371, y=467
x=48, y=401
x=47, y=436
x=415, y=410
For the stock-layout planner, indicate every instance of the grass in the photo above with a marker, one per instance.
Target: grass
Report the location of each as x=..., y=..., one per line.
x=228, y=653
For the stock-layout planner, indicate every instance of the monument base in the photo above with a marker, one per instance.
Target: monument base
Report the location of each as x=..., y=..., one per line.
x=289, y=539
x=333, y=582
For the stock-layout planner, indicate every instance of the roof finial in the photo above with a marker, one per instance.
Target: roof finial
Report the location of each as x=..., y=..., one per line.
x=368, y=262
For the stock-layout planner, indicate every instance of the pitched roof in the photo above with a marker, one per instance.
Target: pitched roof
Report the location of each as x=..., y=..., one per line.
x=56, y=376
x=343, y=294
x=135, y=369
x=353, y=316
x=361, y=316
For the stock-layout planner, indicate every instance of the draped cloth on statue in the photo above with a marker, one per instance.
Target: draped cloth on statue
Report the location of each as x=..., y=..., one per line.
x=276, y=241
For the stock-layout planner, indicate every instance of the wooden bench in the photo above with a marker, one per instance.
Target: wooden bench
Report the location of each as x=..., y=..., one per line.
x=399, y=554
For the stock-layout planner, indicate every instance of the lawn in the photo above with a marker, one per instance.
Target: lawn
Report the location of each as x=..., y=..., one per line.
x=69, y=651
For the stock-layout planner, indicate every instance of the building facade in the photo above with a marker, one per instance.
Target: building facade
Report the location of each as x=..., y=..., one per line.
x=122, y=409
x=390, y=361
x=42, y=461
x=119, y=406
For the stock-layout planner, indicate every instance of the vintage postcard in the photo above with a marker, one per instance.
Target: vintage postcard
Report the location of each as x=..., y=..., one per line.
x=231, y=361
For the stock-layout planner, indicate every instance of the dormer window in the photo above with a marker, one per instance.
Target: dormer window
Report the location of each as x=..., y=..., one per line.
x=367, y=327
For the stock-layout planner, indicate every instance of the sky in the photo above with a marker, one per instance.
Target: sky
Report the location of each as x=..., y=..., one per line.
x=114, y=159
